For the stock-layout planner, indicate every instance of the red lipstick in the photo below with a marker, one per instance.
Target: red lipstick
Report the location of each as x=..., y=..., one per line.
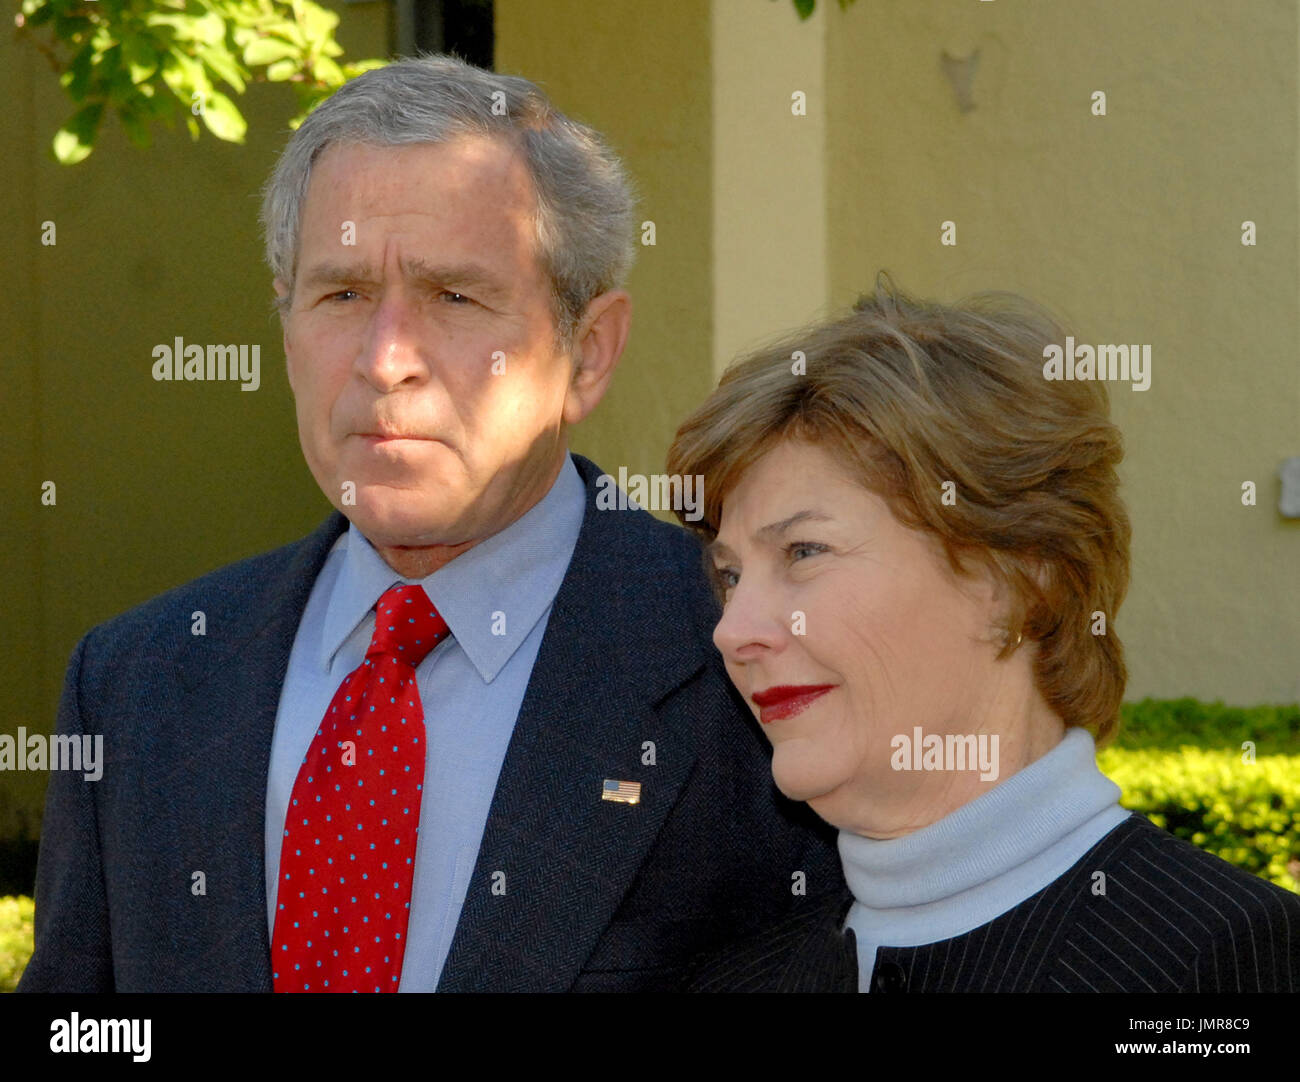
x=787, y=700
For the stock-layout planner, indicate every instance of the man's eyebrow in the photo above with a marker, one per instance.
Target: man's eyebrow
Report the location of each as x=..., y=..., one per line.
x=338, y=273
x=773, y=529
x=463, y=274
x=470, y=275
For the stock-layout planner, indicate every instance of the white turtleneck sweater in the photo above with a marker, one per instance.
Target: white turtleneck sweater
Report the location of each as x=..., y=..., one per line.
x=981, y=860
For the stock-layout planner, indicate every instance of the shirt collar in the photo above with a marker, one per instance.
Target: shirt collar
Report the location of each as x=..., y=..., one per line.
x=1000, y=830
x=491, y=595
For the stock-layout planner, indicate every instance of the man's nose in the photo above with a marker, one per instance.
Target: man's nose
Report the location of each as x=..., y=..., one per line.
x=393, y=349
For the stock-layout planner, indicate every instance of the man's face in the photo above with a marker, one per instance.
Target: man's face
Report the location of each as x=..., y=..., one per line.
x=422, y=357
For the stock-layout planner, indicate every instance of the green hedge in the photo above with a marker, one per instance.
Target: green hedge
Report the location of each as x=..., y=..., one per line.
x=1172, y=723
x=1181, y=763
x=16, y=922
x=1246, y=813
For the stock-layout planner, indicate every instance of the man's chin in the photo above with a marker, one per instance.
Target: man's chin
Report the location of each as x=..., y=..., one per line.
x=392, y=519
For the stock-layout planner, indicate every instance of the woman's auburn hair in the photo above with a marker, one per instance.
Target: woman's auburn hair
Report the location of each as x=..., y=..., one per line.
x=911, y=395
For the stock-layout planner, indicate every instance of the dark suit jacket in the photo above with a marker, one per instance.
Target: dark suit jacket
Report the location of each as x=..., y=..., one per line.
x=600, y=895
x=1173, y=919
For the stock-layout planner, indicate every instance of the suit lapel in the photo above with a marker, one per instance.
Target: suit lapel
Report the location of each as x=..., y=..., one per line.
x=230, y=708
x=556, y=859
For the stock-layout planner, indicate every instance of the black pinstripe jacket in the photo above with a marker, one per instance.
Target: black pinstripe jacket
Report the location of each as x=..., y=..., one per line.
x=1172, y=918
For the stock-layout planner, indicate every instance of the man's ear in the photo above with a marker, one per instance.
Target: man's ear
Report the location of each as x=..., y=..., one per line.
x=282, y=297
x=598, y=344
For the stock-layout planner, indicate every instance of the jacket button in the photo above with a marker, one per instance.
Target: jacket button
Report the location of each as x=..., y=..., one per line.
x=889, y=977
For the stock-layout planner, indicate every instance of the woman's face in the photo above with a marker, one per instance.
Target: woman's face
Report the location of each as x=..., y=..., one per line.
x=826, y=592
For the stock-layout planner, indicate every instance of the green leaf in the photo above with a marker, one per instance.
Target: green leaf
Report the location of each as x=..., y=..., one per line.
x=122, y=93
x=76, y=79
x=222, y=63
x=136, y=128
x=76, y=139
x=223, y=119
x=103, y=39
x=179, y=23
x=72, y=28
x=141, y=58
x=36, y=13
x=208, y=30
x=159, y=106
x=289, y=29
x=282, y=70
x=185, y=75
x=244, y=16
x=328, y=72
x=356, y=67
x=318, y=22
x=268, y=51
x=804, y=7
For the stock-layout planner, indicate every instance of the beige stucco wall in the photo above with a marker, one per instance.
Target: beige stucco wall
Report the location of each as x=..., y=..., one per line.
x=639, y=74
x=157, y=483
x=1130, y=225
x=771, y=177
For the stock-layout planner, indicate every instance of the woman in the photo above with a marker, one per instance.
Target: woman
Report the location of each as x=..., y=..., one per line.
x=921, y=551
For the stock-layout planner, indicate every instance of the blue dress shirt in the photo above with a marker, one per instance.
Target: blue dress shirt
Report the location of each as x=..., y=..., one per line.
x=496, y=598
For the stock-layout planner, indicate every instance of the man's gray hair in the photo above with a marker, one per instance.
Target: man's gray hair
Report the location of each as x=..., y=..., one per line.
x=584, y=226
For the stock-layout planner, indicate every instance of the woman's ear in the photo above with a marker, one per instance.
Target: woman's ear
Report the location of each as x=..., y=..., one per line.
x=1017, y=624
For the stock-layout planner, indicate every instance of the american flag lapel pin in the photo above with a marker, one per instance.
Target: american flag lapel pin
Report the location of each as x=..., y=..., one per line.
x=622, y=792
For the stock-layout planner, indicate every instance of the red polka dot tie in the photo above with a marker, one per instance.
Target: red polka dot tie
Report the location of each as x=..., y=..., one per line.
x=348, y=855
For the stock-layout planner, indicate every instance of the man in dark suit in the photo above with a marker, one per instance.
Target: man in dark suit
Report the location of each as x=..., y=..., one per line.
x=596, y=806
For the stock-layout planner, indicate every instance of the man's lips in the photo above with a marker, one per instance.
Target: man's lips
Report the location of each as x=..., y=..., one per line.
x=391, y=437
x=787, y=700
